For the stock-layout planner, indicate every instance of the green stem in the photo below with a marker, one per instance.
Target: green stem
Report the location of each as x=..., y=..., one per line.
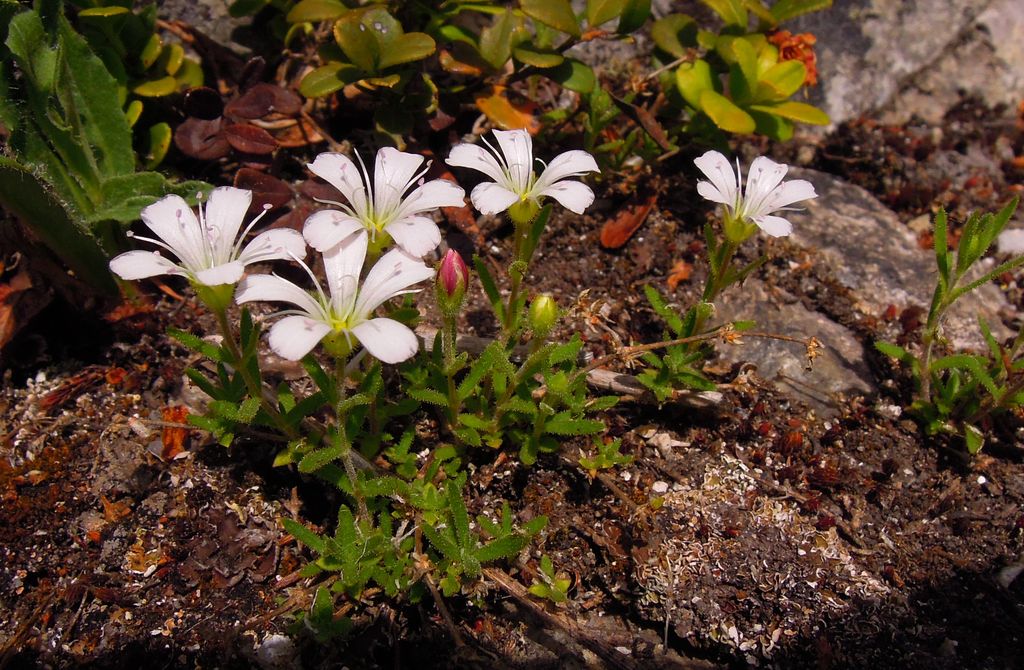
x=341, y=435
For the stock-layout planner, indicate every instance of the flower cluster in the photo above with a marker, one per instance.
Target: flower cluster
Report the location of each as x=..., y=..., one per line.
x=394, y=207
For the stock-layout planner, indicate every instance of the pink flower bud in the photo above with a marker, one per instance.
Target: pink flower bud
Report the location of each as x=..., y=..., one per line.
x=452, y=277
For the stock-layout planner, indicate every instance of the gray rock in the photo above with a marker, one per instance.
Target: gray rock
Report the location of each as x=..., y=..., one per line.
x=985, y=62
x=840, y=369
x=211, y=18
x=868, y=50
x=878, y=259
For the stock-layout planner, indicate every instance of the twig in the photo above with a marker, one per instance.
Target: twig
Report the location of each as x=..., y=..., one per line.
x=443, y=609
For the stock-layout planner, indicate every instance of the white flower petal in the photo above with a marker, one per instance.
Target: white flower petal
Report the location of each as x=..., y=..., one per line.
x=716, y=168
x=225, y=211
x=568, y=164
x=342, y=264
x=517, y=146
x=789, y=193
x=328, y=227
x=417, y=235
x=174, y=222
x=776, y=226
x=763, y=176
x=490, y=198
x=387, y=340
x=141, y=264
x=271, y=288
x=430, y=196
x=393, y=274
x=295, y=336
x=392, y=172
x=708, y=191
x=477, y=158
x=276, y=244
x=225, y=273
x=573, y=195
x=339, y=171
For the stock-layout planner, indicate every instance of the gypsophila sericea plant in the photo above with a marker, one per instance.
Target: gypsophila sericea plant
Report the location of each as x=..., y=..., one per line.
x=962, y=393
x=746, y=208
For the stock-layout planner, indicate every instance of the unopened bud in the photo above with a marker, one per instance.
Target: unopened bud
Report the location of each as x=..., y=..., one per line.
x=450, y=283
x=543, y=314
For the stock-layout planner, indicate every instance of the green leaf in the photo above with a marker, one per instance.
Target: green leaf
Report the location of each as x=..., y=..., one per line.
x=941, y=245
x=311, y=11
x=358, y=43
x=783, y=10
x=573, y=75
x=503, y=547
x=318, y=458
x=240, y=8
x=634, y=15
x=602, y=11
x=24, y=196
x=490, y=288
x=104, y=12
x=498, y=40
x=725, y=114
x=542, y=58
x=411, y=47
x=559, y=425
x=327, y=79
x=692, y=79
x=974, y=439
x=796, y=111
x=159, y=143
x=304, y=535
x=781, y=80
x=555, y=13
x=675, y=34
x=973, y=364
x=733, y=12
x=429, y=396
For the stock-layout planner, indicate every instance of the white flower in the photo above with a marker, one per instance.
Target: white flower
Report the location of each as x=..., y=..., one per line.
x=765, y=191
x=382, y=206
x=511, y=168
x=346, y=310
x=208, y=249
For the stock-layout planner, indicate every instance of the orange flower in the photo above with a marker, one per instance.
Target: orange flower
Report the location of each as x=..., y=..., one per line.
x=797, y=47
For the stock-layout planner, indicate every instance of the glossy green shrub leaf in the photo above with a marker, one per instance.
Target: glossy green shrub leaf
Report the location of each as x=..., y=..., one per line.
x=796, y=111
x=692, y=79
x=156, y=88
x=327, y=79
x=573, y=75
x=133, y=112
x=311, y=11
x=531, y=55
x=733, y=12
x=725, y=114
x=499, y=39
x=675, y=34
x=240, y=8
x=772, y=126
x=356, y=41
x=411, y=47
x=783, y=10
x=150, y=52
x=160, y=135
x=104, y=12
x=634, y=15
x=781, y=80
x=603, y=11
x=973, y=438
x=189, y=75
x=555, y=13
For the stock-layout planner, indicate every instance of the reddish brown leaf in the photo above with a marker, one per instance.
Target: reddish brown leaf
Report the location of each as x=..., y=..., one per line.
x=263, y=99
x=10, y=294
x=680, y=272
x=505, y=113
x=114, y=511
x=646, y=121
x=204, y=103
x=173, y=438
x=202, y=139
x=304, y=132
x=617, y=231
x=250, y=139
x=266, y=189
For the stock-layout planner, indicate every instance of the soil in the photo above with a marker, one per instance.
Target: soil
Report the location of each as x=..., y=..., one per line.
x=755, y=533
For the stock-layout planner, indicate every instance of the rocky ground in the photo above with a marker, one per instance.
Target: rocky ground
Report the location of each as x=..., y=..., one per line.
x=802, y=521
